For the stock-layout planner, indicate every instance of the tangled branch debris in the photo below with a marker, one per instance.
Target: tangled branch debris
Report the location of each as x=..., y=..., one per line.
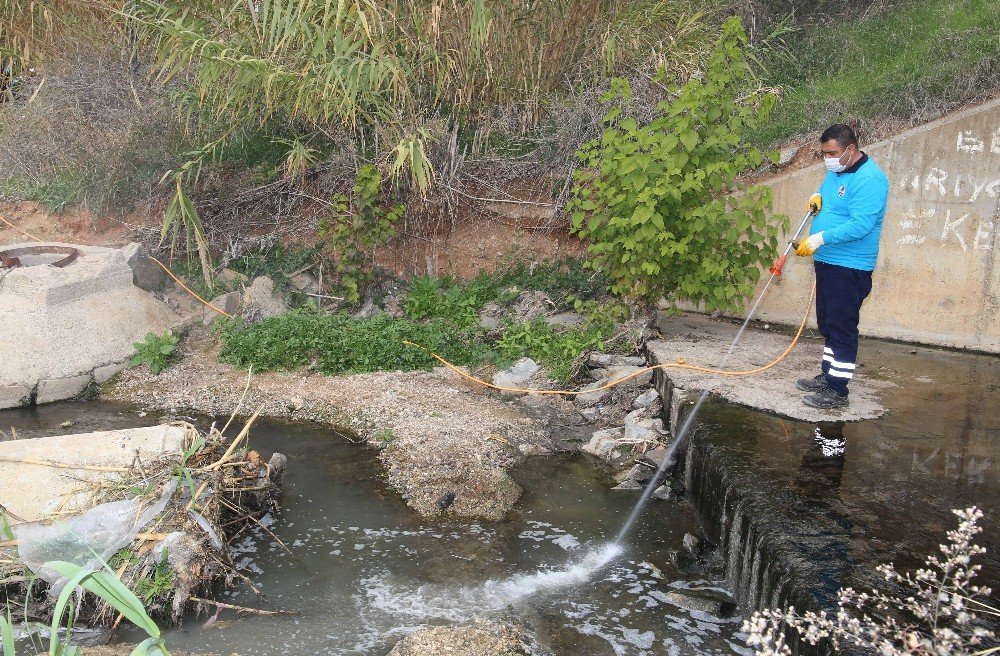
x=214, y=493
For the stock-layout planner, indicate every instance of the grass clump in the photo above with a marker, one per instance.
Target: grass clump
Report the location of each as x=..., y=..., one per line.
x=557, y=350
x=564, y=281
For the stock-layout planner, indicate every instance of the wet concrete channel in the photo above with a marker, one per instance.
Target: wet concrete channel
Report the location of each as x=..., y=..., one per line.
x=801, y=509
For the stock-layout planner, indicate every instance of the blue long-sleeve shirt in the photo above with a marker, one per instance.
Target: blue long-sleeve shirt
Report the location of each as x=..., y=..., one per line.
x=854, y=204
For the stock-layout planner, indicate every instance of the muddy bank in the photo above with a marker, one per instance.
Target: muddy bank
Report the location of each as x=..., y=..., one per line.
x=445, y=446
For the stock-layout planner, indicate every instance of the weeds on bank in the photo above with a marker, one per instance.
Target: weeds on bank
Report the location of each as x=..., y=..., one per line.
x=155, y=350
x=565, y=281
x=442, y=315
x=339, y=343
x=558, y=350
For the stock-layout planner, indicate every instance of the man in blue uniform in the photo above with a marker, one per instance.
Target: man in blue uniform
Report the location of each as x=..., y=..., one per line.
x=843, y=242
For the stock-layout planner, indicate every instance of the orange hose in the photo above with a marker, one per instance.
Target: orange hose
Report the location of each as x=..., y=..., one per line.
x=671, y=365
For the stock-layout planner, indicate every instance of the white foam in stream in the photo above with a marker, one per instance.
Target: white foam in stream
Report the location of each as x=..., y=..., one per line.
x=459, y=604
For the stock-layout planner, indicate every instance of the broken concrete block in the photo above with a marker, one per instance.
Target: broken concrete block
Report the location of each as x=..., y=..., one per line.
x=61, y=388
x=591, y=393
x=602, y=443
x=519, y=374
x=65, y=321
x=14, y=396
x=31, y=492
x=108, y=371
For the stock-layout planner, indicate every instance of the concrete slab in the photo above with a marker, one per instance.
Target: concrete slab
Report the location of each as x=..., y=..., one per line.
x=31, y=491
x=703, y=341
x=61, y=323
x=50, y=391
x=108, y=371
x=13, y=396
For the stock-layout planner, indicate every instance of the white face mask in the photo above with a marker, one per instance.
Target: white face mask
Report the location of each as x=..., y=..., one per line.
x=833, y=164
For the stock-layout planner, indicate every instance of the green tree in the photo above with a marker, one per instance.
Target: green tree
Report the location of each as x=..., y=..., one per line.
x=661, y=204
x=355, y=227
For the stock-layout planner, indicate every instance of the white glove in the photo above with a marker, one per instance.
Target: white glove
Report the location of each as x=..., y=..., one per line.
x=809, y=246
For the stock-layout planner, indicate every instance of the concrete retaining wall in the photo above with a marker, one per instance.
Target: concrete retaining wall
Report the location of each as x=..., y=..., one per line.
x=938, y=277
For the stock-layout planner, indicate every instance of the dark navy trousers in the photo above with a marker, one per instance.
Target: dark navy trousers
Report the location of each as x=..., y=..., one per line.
x=840, y=291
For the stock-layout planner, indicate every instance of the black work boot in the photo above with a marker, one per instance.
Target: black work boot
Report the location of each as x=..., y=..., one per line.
x=826, y=399
x=817, y=384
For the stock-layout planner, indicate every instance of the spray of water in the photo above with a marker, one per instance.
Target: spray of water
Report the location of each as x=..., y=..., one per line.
x=461, y=604
x=455, y=605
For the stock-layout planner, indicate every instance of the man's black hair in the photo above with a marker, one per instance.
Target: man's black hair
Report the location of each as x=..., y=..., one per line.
x=843, y=134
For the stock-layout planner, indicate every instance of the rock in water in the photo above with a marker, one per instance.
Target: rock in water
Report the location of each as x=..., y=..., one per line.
x=482, y=639
x=703, y=600
x=602, y=443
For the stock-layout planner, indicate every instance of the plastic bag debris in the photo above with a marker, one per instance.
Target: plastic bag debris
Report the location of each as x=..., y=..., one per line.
x=88, y=539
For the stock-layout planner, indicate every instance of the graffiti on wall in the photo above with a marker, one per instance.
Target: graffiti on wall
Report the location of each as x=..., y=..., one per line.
x=949, y=205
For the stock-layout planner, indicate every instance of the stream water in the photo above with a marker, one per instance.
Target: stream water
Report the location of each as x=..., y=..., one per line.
x=367, y=570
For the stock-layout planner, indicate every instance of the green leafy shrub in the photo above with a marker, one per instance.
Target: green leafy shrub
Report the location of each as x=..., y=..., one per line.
x=355, y=226
x=660, y=203
x=556, y=349
x=446, y=298
x=155, y=350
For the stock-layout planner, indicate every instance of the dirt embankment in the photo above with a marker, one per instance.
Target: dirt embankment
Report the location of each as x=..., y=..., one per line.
x=446, y=447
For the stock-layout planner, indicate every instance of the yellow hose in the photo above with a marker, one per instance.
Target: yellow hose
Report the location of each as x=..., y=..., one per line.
x=458, y=370
x=619, y=381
